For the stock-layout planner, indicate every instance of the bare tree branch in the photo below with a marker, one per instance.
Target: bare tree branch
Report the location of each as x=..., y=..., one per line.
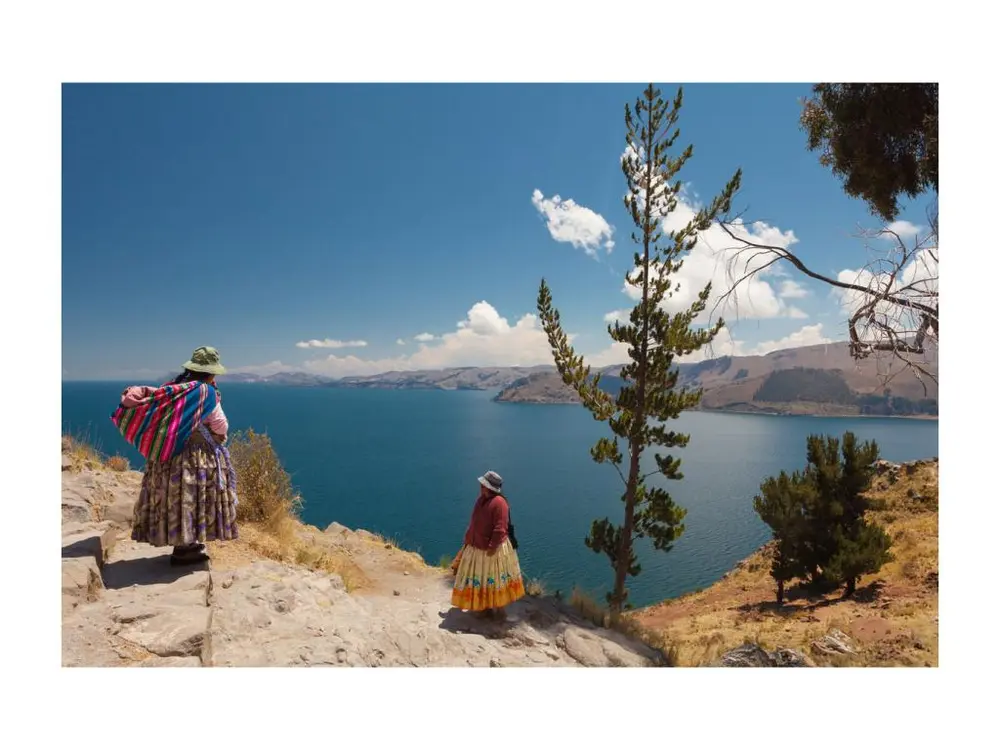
x=893, y=300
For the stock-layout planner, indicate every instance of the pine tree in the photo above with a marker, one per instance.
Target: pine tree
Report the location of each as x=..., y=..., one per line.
x=880, y=139
x=818, y=516
x=859, y=545
x=861, y=549
x=782, y=505
x=654, y=338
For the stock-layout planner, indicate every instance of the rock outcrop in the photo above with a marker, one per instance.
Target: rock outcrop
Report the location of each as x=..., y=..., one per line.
x=834, y=642
x=752, y=655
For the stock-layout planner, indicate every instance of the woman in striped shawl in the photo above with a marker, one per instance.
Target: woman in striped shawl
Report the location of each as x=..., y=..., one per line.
x=188, y=494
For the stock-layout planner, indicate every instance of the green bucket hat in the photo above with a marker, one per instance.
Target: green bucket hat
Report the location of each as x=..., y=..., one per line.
x=205, y=359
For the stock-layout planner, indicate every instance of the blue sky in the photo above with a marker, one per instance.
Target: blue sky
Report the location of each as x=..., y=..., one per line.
x=324, y=228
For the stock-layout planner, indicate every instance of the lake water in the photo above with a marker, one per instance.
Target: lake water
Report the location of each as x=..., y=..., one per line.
x=404, y=464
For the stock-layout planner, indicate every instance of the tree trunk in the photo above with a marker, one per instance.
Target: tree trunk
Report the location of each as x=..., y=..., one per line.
x=781, y=592
x=851, y=587
x=649, y=225
x=625, y=549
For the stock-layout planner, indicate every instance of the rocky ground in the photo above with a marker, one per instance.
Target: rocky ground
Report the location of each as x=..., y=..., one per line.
x=124, y=605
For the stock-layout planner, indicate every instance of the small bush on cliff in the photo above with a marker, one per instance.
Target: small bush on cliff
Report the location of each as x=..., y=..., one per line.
x=117, y=463
x=818, y=516
x=264, y=487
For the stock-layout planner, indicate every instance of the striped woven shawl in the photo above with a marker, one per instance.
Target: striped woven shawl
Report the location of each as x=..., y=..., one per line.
x=159, y=426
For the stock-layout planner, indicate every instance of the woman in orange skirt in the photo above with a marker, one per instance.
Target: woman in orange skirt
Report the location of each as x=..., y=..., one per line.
x=487, y=571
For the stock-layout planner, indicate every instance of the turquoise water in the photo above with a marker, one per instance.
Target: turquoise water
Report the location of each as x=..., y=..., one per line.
x=404, y=464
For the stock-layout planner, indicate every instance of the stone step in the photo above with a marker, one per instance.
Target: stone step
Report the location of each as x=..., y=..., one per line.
x=96, y=540
x=81, y=581
x=136, y=566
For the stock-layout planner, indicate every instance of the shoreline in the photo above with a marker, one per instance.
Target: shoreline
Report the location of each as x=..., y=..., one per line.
x=753, y=412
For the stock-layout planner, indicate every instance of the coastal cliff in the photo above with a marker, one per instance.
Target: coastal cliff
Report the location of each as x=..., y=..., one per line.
x=296, y=595
x=292, y=596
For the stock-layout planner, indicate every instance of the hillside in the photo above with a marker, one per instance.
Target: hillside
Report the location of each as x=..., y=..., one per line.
x=892, y=621
x=809, y=380
x=547, y=387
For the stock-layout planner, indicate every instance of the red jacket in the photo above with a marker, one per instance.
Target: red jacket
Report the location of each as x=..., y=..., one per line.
x=488, y=527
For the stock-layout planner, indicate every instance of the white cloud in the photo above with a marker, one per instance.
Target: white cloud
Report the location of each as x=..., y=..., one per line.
x=269, y=368
x=661, y=192
x=401, y=342
x=791, y=289
x=484, y=338
x=578, y=225
x=338, y=367
x=916, y=282
x=905, y=229
x=708, y=261
x=754, y=298
x=805, y=336
x=615, y=354
x=330, y=344
x=620, y=316
x=424, y=337
x=723, y=345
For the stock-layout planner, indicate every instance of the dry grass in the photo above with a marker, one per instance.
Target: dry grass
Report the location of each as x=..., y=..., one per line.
x=289, y=542
x=892, y=620
x=389, y=542
x=81, y=452
x=84, y=453
x=117, y=463
x=534, y=587
x=598, y=614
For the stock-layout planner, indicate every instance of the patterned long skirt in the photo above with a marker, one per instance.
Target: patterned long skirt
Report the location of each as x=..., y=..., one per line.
x=485, y=581
x=187, y=500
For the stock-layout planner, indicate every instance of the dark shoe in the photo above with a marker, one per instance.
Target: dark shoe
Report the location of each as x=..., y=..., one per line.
x=189, y=559
x=191, y=554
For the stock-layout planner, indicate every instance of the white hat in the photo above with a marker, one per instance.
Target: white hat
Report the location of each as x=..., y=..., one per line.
x=491, y=481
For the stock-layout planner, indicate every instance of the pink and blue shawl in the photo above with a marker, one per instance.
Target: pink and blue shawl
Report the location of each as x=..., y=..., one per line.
x=163, y=420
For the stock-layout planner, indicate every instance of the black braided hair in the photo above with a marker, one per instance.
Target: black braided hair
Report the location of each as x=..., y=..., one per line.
x=189, y=375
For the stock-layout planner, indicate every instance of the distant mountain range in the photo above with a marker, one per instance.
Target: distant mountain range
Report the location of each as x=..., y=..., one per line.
x=452, y=379
x=282, y=378
x=822, y=379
